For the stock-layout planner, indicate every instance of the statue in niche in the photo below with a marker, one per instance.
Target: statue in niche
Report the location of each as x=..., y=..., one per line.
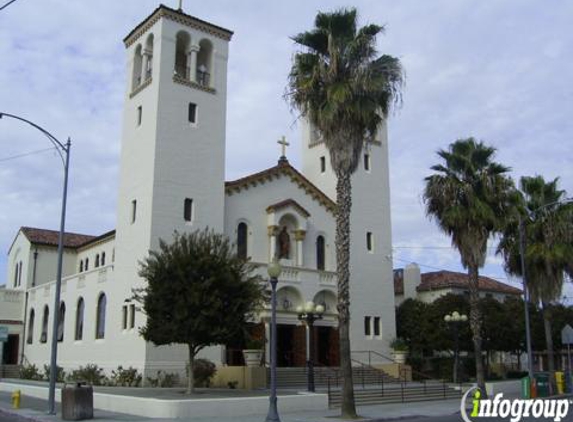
x=284, y=244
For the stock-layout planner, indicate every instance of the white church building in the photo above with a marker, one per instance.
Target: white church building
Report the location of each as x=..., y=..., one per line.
x=172, y=177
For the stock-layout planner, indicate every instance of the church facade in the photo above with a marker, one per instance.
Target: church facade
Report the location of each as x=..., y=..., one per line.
x=172, y=178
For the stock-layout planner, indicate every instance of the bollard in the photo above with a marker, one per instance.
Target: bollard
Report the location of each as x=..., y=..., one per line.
x=16, y=395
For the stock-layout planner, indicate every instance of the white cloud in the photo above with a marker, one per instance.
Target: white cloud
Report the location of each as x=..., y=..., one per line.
x=498, y=71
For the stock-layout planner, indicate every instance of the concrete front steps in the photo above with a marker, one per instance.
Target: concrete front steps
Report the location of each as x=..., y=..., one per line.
x=9, y=371
x=398, y=393
x=295, y=377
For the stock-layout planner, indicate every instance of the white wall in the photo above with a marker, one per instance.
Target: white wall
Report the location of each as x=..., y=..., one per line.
x=371, y=284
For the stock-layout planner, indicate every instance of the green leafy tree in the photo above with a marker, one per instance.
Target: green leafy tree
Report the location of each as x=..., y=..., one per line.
x=412, y=325
x=548, y=232
x=469, y=196
x=198, y=293
x=345, y=90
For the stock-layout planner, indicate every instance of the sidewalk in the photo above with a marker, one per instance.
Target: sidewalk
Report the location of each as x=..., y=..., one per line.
x=35, y=410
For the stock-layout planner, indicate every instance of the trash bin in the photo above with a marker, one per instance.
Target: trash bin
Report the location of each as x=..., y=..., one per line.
x=560, y=382
x=77, y=402
x=526, y=388
x=542, y=382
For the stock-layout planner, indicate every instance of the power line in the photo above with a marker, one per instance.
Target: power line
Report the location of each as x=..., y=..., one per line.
x=7, y=4
x=14, y=157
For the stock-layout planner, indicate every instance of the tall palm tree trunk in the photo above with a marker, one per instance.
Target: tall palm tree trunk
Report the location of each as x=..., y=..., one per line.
x=475, y=324
x=344, y=203
x=546, y=313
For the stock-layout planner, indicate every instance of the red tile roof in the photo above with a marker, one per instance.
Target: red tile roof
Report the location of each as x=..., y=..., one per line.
x=50, y=237
x=283, y=168
x=449, y=279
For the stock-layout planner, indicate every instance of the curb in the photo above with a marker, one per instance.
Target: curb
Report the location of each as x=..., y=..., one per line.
x=19, y=416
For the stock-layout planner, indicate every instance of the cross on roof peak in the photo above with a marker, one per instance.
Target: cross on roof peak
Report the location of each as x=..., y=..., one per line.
x=283, y=143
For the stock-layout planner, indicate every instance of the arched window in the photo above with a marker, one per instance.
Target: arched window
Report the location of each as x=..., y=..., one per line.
x=242, y=238
x=86, y=264
x=137, y=62
x=320, y=253
x=80, y=319
x=81, y=266
x=100, y=318
x=148, y=58
x=30, y=337
x=61, y=321
x=97, y=260
x=20, y=274
x=102, y=259
x=182, y=41
x=44, y=335
x=16, y=275
x=205, y=63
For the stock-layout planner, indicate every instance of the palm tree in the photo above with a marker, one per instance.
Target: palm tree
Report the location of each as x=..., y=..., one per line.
x=548, y=228
x=345, y=90
x=468, y=196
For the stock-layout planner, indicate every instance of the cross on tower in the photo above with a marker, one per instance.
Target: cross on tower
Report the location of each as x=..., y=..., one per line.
x=283, y=143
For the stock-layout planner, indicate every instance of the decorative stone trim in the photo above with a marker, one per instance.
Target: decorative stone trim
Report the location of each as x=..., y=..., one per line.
x=282, y=169
x=183, y=81
x=272, y=230
x=140, y=88
x=179, y=17
x=299, y=234
x=288, y=203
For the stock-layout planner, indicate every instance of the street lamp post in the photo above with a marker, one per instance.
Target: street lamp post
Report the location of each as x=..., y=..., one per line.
x=522, y=247
x=64, y=152
x=274, y=271
x=455, y=319
x=309, y=313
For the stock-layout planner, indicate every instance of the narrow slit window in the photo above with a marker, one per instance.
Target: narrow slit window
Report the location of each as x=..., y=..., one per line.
x=188, y=209
x=139, y=115
x=369, y=242
x=192, y=113
x=133, y=210
x=377, y=326
x=322, y=164
x=124, y=317
x=131, y=316
x=367, y=162
x=367, y=326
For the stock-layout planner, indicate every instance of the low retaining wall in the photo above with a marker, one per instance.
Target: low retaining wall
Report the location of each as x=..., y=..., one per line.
x=190, y=408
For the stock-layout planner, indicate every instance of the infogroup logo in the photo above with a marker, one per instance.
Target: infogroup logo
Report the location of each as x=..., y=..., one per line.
x=514, y=409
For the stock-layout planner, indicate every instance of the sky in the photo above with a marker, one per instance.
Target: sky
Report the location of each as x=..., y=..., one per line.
x=499, y=71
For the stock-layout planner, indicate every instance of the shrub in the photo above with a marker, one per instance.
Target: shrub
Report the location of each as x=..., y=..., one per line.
x=203, y=371
x=125, y=377
x=91, y=373
x=164, y=380
x=30, y=372
x=399, y=345
x=60, y=373
x=232, y=384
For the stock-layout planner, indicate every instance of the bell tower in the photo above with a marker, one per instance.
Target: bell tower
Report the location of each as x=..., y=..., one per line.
x=172, y=167
x=371, y=286
x=173, y=146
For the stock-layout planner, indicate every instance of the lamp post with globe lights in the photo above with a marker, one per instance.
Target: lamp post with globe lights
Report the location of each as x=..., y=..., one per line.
x=274, y=271
x=455, y=319
x=309, y=313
